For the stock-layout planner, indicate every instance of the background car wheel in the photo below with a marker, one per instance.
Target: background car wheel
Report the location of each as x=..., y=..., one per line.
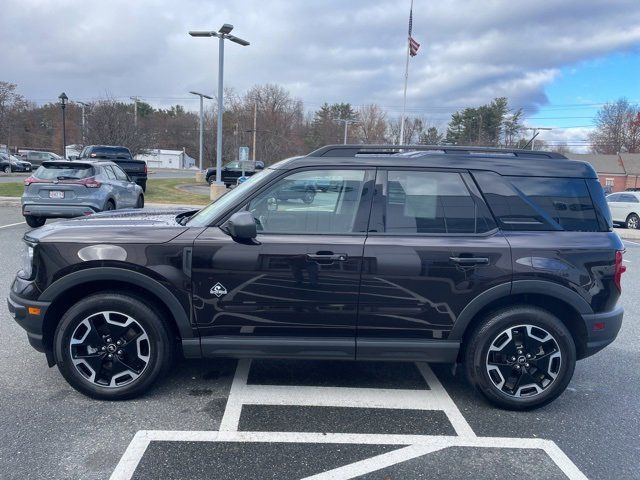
x=112, y=346
x=109, y=206
x=308, y=197
x=140, y=202
x=520, y=357
x=210, y=180
x=34, y=222
x=144, y=186
x=633, y=221
x=7, y=169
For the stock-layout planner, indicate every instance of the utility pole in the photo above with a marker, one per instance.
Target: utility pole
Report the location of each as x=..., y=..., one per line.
x=135, y=110
x=255, y=126
x=223, y=34
x=201, y=95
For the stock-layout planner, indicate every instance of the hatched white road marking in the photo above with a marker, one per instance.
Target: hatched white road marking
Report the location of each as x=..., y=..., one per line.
x=414, y=446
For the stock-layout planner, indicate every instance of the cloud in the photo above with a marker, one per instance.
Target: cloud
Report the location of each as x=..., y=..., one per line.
x=472, y=51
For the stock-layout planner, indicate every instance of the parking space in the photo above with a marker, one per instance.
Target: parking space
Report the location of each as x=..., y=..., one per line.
x=289, y=419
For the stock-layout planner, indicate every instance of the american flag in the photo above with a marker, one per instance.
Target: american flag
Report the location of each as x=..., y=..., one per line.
x=413, y=45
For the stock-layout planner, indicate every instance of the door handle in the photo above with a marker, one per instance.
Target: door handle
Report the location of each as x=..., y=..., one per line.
x=327, y=257
x=470, y=260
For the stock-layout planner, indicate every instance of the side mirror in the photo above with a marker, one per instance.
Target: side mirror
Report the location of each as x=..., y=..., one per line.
x=242, y=226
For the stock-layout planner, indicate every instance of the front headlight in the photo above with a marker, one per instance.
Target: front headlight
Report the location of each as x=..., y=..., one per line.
x=27, y=262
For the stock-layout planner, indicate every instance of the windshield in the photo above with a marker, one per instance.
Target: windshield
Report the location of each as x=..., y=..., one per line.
x=206, y=216
x=110, y=152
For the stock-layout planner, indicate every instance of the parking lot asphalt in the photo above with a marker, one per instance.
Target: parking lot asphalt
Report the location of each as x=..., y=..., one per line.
x=304, y=419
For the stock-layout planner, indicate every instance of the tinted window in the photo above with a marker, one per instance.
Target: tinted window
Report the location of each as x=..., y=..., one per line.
x=120, y=175
x=109, y=152
x=614, y=197
x=430, y=202
x=109, y=172
x=53, y=172
x=539, y=203
x=627, y=197
x=320, y=201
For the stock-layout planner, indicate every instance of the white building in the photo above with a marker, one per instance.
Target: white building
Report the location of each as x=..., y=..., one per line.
x=158, y=158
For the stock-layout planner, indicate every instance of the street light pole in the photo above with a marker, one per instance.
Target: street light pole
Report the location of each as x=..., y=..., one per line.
x=135, y=111
x=82, y=106
x=222, y=34
x=346, y=126
x=63, y=103
x=202, y=97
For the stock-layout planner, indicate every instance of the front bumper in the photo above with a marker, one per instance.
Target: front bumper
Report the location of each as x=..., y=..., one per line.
x=58, y=211
x=602, y=329
x=24, y=312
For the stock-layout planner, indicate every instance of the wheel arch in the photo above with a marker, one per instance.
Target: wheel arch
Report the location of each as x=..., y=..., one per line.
x=565, y=304
x=63, y=293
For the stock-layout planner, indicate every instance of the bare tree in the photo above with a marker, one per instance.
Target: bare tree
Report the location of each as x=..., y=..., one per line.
x=372, y=126
x=617, y=128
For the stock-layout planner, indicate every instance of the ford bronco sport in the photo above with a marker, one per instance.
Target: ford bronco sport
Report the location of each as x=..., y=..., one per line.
x=502, y=260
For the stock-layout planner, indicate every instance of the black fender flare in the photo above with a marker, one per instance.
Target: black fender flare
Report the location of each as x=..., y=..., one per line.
x=517, y=287
x=127, y=276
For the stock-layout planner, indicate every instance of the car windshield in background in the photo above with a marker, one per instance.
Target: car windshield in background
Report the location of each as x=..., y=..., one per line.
x=110, y=153
x=56, y=172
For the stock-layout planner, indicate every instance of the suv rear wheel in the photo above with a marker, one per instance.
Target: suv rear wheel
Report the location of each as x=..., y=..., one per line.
x=112, y=346
x=520, y=357
x=34, y=222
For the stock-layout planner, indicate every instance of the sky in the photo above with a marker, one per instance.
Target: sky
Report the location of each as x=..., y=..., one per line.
x=559, y=60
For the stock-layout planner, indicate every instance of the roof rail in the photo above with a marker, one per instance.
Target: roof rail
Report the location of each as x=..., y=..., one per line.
x=353, y=150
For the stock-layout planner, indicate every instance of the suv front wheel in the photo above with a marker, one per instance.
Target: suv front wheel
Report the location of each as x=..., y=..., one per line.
x=520, y=357
x=112, y=346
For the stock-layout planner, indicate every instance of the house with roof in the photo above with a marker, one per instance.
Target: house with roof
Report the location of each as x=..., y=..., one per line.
x=616, y=172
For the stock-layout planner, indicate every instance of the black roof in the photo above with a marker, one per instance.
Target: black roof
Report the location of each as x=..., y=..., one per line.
x=500, y=160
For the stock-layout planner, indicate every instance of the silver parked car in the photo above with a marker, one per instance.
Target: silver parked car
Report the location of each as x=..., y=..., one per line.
x=64, y=189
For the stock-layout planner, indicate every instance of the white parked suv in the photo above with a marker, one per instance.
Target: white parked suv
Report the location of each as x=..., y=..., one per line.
x=625, y=208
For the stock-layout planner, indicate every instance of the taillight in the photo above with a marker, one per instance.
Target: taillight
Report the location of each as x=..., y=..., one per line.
x=620, y=269
x=28, y=181
x=145, y=167
x=90, y=182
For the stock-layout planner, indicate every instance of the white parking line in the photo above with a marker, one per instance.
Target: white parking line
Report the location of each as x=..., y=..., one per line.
x=12, y=224
x=629, y=241
x=436, y=398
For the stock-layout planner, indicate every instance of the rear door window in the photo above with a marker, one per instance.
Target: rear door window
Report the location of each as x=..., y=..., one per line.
x=432, y=203
x=120, y=175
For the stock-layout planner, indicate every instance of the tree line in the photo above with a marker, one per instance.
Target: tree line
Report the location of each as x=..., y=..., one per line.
x=284, y=127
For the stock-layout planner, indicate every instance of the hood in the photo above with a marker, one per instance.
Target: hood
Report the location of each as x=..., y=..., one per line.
x=121, y=226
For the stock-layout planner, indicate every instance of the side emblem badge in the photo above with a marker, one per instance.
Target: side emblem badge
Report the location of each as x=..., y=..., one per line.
x=218, y=290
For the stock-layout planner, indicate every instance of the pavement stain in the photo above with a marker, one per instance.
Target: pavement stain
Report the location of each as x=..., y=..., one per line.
x=200, y=392
x=215, y=408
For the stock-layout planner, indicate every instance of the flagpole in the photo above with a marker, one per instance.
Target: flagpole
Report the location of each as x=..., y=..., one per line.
x=406, y=79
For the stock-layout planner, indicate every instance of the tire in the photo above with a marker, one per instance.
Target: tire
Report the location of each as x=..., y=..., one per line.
x=632, y=221
x=210, y=179
x=227, y=185
x=7, y=169
x=140, y=202
x=485, y=368
x=308, y=197
x=34, y=222
x=144, y=186
x=110, y=205
x=99, y=322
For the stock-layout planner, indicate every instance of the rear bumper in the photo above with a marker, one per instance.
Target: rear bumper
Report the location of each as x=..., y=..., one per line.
x=23, y=311
x=58, y=211
x=602, y=329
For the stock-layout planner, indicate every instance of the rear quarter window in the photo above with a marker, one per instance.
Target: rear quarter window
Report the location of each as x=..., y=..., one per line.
x=541, y=203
